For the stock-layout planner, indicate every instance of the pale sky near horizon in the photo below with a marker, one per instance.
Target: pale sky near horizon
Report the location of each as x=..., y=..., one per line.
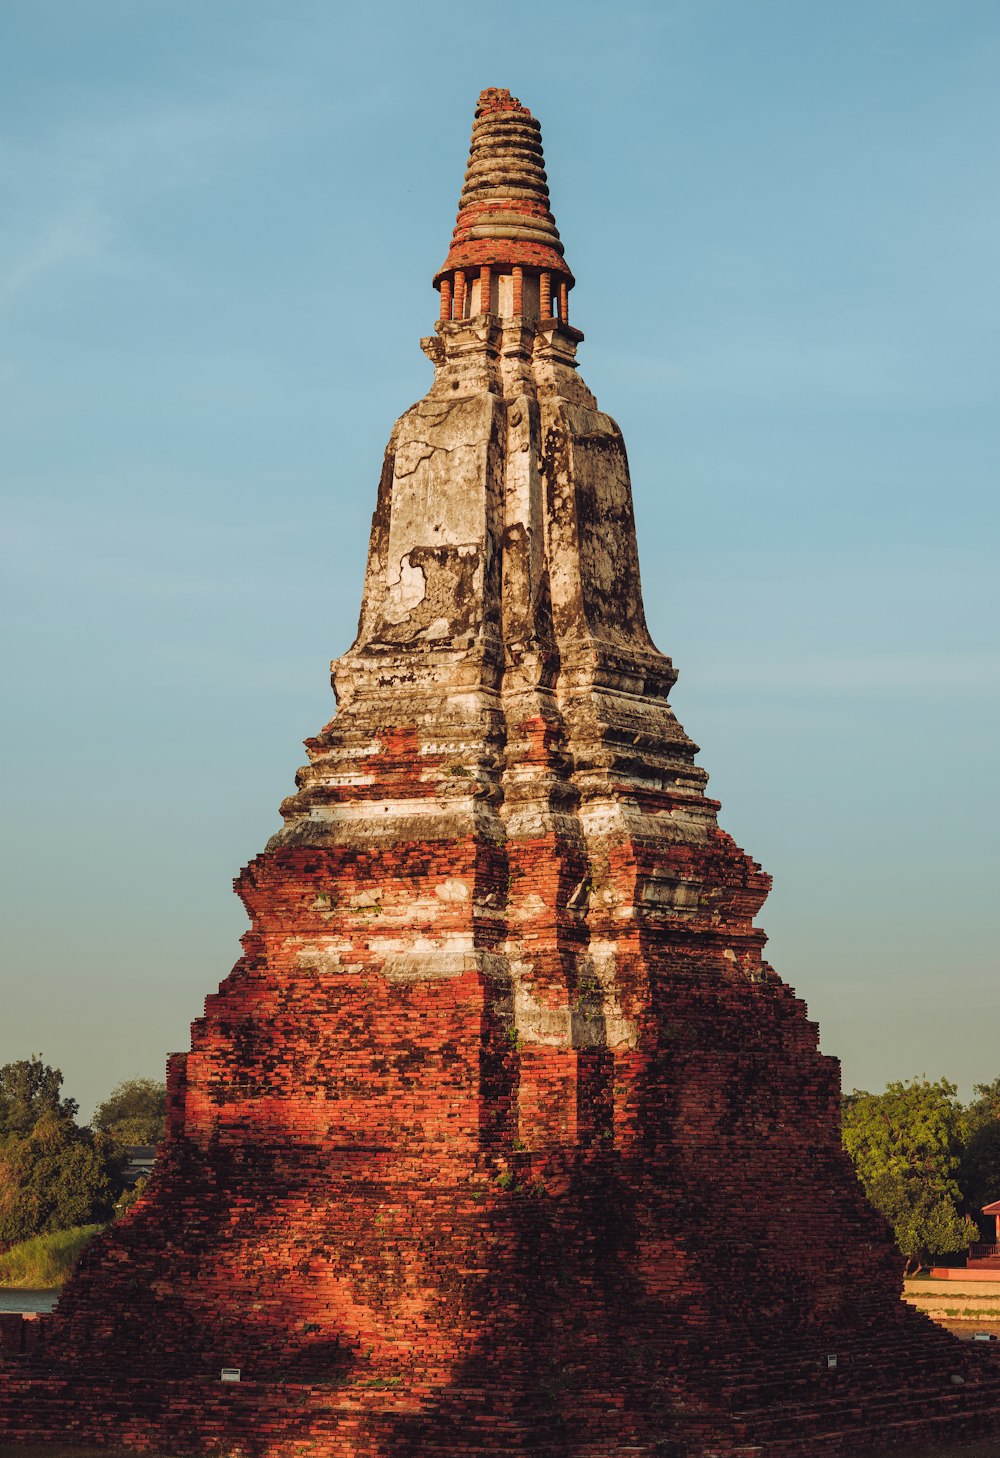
x=218, y=226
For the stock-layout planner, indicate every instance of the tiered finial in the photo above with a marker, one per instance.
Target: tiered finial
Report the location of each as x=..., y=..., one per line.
x=506, y=256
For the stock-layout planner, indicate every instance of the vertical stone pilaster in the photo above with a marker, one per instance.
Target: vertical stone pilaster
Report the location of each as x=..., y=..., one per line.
x=545, y=295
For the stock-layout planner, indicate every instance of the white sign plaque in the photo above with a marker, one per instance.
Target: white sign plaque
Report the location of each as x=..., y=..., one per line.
x=230, y=1374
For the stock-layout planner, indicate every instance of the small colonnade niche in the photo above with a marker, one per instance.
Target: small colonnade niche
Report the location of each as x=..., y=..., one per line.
x=518, y=293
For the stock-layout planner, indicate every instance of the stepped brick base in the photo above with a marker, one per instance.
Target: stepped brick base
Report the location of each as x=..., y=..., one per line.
x=873, y=1403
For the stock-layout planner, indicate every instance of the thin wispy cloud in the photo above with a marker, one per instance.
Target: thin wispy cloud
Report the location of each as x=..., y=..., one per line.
x=70, y=194
x=81, y=235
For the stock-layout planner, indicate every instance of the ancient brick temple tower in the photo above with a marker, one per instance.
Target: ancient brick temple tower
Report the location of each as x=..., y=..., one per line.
x=500, y=1138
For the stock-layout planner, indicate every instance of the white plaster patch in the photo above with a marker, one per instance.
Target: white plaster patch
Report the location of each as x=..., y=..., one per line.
x=602, y=819
x=371, y=897
x=528, y=821
x=428, y=966
x=604, y=957
x=452, y=890
x=406, y=591
x=452, y=746
x=535, y=1023
x=532, y=905
x=324, y=959
x=373, y=810
x=672, y=892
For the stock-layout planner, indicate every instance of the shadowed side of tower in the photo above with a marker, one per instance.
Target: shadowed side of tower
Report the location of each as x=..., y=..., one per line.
x=501, y=1137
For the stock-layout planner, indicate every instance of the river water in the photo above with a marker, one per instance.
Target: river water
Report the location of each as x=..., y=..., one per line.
x=13, y=1298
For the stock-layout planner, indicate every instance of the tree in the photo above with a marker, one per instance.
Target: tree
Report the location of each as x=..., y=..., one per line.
x=924, y=1216
x=979, y=1172
x=134, y=1112
x=56, y=1177
x=906, y=1147
x=30, y=1089
x=53, y=1174
x=985, y=1107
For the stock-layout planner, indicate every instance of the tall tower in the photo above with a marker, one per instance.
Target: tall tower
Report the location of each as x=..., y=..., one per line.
x=501, y=1137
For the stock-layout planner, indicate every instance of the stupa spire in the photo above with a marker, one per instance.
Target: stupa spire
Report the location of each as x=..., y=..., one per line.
x=506, y=256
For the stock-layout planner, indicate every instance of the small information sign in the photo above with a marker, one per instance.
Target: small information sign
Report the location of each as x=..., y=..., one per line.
x=230, y=1374
x=831, y=1361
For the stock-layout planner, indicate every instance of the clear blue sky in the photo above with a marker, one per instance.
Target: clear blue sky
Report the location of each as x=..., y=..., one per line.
x=218, y=227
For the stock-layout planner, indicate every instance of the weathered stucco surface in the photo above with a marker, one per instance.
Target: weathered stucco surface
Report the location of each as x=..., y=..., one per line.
x=501, y=1137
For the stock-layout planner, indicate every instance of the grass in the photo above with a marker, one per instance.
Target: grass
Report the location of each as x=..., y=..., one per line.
x=45, y=1261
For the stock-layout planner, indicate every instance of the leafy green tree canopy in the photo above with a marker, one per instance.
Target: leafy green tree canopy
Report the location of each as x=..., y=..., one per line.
x=53, y=1174
x=985, y=1107
x=57, y=1177
x=906, y=1145
x=134, y=1112
x=29, y=1091
x=979, y=1174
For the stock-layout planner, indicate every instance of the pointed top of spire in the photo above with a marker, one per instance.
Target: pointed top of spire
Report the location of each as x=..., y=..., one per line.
x=504, y=219
x=498, y=98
